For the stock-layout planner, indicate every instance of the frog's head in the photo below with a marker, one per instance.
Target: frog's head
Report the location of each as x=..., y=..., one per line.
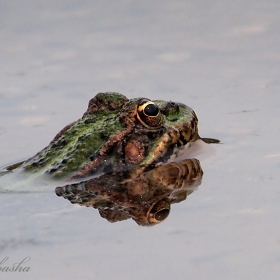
x=167, y=125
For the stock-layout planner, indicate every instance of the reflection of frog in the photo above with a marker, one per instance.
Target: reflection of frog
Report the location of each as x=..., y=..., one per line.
x=116, y=134
x=146, y=198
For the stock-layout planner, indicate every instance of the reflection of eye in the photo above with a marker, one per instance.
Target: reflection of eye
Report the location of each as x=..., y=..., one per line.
x=161, y=214
x=159, y=211
x=149, y=114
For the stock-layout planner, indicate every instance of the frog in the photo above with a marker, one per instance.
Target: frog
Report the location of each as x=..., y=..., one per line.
x=119, y=158
x=117, y=134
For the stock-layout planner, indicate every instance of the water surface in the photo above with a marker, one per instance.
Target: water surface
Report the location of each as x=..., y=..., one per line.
x=221, y=59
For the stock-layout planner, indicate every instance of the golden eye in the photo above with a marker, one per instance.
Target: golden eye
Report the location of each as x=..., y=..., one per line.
x=158, y=212
x=149, y=114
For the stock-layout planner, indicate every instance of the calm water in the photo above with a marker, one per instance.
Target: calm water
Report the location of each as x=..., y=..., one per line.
x=221, y=59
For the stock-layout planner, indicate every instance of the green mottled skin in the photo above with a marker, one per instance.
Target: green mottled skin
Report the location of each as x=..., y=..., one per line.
x=79, y=142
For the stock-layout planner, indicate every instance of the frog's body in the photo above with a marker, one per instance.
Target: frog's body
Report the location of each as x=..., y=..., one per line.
x=117, y=134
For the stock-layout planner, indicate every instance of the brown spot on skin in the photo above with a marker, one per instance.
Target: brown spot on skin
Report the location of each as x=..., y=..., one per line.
x=100, y=103
x=134, y=151
x=137, y=188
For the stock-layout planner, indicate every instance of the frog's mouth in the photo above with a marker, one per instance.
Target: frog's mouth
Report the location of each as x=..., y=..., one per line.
x=167, y=147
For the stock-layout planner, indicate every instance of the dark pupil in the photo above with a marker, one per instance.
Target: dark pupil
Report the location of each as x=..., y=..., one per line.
x=161, y=215
x=151, y=110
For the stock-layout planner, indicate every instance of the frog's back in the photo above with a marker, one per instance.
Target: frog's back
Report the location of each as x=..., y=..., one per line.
x=80, y=140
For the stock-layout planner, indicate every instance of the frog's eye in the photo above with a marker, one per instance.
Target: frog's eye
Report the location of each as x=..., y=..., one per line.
x=159, y=211
x=149, y=114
